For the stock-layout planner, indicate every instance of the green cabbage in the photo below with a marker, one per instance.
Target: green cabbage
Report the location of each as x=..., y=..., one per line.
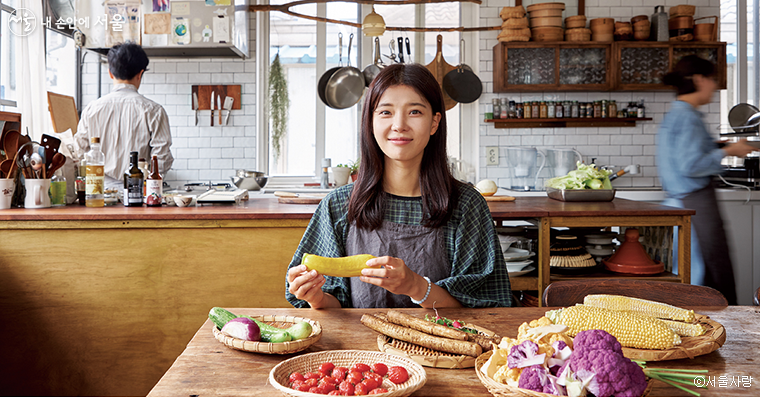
x=585, y=177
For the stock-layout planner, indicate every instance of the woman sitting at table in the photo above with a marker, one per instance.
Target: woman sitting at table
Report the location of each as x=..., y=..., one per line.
x=433, y=237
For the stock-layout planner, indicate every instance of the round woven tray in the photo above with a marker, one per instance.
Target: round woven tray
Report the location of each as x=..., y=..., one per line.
x=428, y=357
x=690, y=347
x=504, y=390
x=273, y=348
x=278, y=377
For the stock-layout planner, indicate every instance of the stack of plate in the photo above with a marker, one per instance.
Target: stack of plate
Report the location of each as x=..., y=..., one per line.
x=600, y=245
x=517, y=260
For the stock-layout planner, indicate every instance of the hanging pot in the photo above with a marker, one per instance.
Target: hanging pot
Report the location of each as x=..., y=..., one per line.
x=346, y=86
x=461, y=84
x=371, y=71
x=326, y=76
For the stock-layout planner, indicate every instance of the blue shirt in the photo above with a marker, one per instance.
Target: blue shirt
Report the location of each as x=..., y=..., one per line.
x=478, y=273
x=687, y=156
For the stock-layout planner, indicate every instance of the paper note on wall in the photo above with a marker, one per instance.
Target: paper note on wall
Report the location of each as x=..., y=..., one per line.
x=180, y=8
x=180, y=30
x=158, y=23
x=221, y=30
x=161, y=6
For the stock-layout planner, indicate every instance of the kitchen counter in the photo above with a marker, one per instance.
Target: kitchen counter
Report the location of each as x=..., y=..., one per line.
x=649, y=194
x=104, y=299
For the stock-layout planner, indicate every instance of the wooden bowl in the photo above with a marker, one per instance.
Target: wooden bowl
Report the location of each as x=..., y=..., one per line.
x=638, y=18
x=602, y=25
x=551, y=12
x=682, y=22
x=641, y=25
x=546, y=21
x=576, y=21
x=703, y=31
x=546, y=6
x=682, y=10
x=547, y=33
x=602, y=37
x=641, y=35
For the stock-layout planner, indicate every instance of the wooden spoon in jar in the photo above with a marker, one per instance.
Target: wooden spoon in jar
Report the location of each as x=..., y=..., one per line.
x=57, y=162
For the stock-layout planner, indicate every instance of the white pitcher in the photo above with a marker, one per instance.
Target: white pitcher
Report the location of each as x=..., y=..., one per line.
x=562, y=161
x=522, y=161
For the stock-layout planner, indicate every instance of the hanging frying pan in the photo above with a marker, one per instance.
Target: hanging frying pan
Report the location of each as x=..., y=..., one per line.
x=739, y=116
x=373, y=69
x=461, y=84
x=326, y=76
x=439, y=67
x=346, y=86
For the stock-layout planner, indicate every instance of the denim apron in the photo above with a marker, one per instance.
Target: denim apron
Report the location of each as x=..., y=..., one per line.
x=421, y=248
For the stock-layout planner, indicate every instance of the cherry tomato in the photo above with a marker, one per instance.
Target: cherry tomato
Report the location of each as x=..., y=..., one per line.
x=398, y=374
x=296, y=376
x=380, y=369
x=326, y=368
x=355, y=377
x=362, y=389
x=360, y=367
x=312, y=375
x=346, y=388
x=340, y=373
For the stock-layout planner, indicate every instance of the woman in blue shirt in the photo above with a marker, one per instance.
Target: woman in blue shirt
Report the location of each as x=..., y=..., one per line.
x=687, y=159
x=433, y=237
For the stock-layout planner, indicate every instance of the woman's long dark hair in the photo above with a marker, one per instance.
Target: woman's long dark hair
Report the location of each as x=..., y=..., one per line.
x=682, y=75
x=436, y=183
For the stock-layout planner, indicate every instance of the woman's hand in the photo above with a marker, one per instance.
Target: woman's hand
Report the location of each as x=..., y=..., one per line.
x=306, y=285
x=393, y=275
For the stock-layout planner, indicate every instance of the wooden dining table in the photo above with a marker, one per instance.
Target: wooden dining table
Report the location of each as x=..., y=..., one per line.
x=208, y=367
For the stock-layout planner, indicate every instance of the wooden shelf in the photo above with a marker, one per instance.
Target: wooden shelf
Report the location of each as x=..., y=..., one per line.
x=566, y=122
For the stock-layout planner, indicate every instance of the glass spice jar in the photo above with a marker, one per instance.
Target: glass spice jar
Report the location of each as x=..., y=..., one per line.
x=575, y=110
x=558, y=110
x=535, y=110
x=519, y=110
x=504, y=108
x=543, y=110
x=604, y=109
x=550, y=110
x=496, y=108
x=511, y=113
x=612, y=109
x=527, y=111
x=597, y=109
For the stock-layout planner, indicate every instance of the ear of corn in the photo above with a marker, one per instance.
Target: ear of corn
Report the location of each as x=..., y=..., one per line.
x=643, y=306
x=631, y=329
x=685, y=329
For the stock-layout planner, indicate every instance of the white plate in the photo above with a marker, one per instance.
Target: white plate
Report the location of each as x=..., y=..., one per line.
x=517, y=254
x=517, y=266
x=522, y=272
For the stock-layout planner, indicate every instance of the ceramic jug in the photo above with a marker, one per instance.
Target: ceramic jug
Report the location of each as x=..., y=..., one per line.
x=659, y=25
x=522, y=162
x=562, y=161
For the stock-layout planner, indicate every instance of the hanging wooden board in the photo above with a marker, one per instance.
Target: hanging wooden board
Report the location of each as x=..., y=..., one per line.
x=63, y=112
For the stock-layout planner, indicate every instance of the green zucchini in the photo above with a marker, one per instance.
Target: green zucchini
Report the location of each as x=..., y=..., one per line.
x=220, y=316
x=270, y=333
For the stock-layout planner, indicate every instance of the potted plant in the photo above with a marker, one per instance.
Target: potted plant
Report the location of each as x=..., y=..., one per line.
x=354, y=169
x=341, y=173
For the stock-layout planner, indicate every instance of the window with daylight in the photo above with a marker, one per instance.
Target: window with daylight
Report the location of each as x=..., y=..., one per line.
x=7, y=58
x=314, y=130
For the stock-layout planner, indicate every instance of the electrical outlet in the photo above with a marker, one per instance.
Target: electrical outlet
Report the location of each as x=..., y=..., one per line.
x=492, y=155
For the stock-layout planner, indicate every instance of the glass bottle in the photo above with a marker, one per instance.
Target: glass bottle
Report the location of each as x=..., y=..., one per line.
x=543, y=110
x=504, y=109
x=558, y=108
x=597, y=109
x=81, y=183
x=527, y=111
x=496, y=108
x=489, y=112
x=154, y=185
x=512, y=112
x=95, y=178
x=550, y=110
x=612, y=109
x=133, y=183
x=575, y=110
x=640, y=110
x=58, y=189
x=519, y=110
x=604, y=109
x=535, y=110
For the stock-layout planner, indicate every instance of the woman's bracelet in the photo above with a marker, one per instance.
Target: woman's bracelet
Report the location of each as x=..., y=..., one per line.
x=419, y=302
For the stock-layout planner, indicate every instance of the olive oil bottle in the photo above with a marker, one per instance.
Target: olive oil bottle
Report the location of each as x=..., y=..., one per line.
x=133, y=183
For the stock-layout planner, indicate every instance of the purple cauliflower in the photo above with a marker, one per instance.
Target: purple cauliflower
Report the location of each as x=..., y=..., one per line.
x=562, y=353
x=598, y=352
x=538, y=378
x=596, y=339
x=524, y=355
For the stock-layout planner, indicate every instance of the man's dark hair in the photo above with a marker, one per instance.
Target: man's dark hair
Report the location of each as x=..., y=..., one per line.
x=126, y=60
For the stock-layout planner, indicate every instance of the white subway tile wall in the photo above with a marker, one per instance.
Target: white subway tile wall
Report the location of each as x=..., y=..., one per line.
x=610, y=146
x=213, y=153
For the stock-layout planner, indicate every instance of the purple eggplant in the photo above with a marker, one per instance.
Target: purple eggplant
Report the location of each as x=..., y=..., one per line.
x=242, y=328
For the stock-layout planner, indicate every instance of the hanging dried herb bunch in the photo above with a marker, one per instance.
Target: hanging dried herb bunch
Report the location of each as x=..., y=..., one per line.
x=278, y=103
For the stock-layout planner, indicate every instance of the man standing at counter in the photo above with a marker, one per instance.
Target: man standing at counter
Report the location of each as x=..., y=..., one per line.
x=125, y=120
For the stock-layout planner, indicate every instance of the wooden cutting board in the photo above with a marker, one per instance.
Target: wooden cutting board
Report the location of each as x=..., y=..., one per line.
x=499, y=198
x=299, y=198
x=439, y=67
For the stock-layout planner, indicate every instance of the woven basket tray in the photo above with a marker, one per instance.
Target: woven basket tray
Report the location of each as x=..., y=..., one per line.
x=690, y=347
x=428, y=357
x=278, y=377
x=503, y=390
x=273, y=348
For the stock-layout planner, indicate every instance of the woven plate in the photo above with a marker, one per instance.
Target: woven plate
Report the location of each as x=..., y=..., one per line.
x=428, y=357
x=273, y=348
x=504, y=390
x=691, y=346
x=278, y=377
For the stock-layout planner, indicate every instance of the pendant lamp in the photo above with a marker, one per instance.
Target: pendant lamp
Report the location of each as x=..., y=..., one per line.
x=373, y=24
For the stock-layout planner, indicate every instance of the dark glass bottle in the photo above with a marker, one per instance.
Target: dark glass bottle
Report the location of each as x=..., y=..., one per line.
x=133, y=183
x=154, y=185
